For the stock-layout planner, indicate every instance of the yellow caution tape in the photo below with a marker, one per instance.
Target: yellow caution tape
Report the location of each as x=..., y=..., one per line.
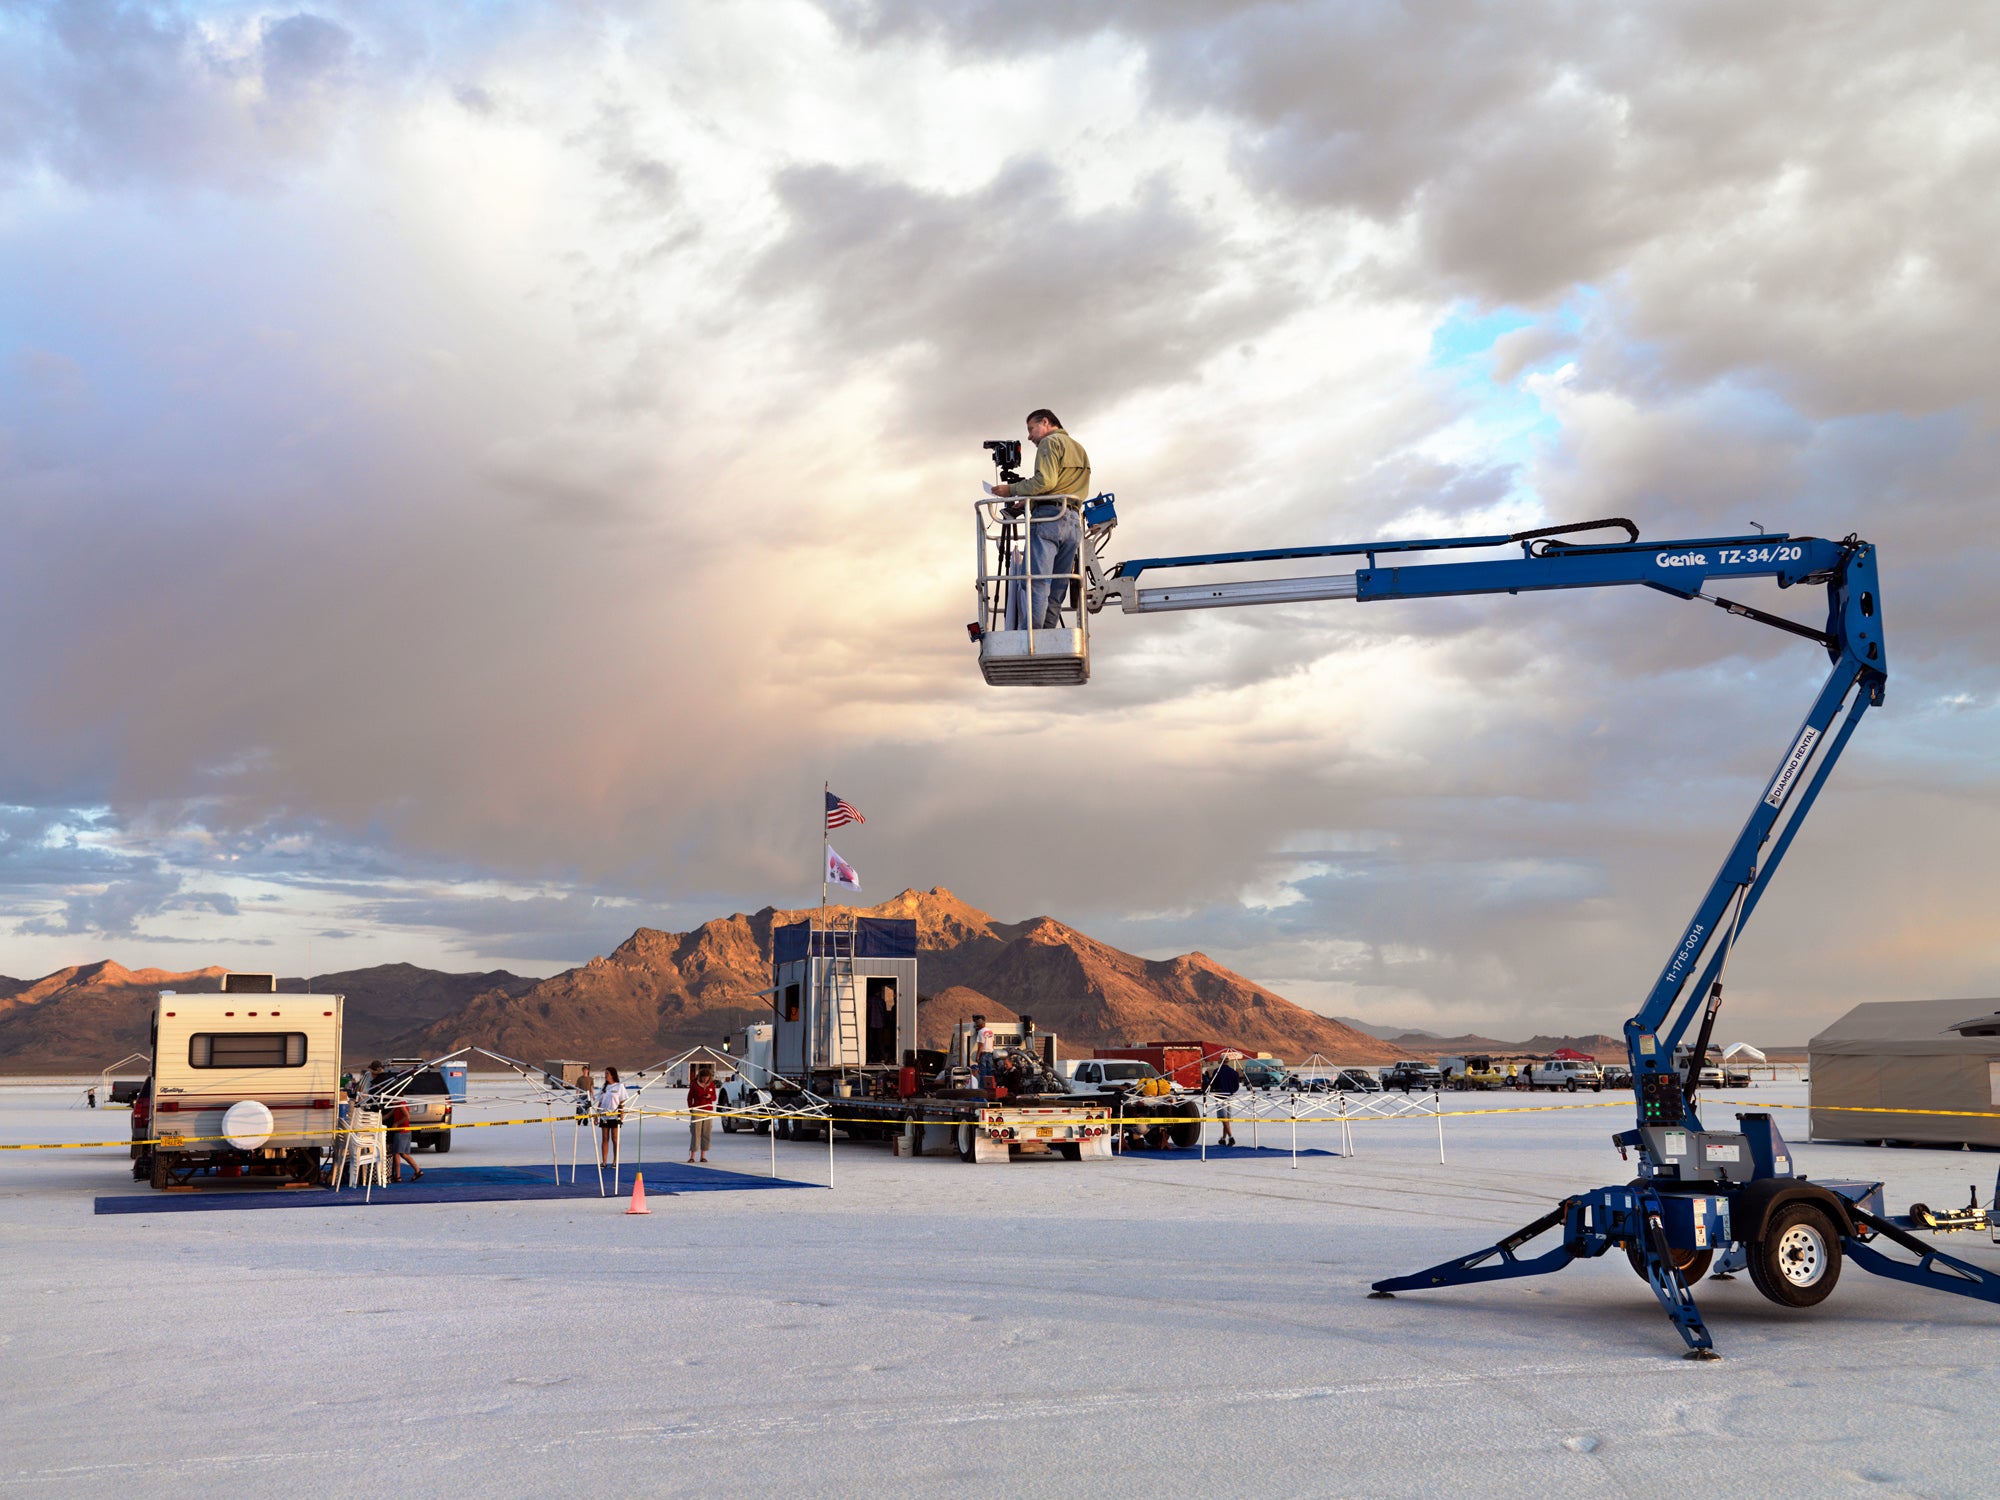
x=1101, y=1117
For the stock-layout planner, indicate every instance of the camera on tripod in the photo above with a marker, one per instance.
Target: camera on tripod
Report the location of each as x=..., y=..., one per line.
x=1006, y=455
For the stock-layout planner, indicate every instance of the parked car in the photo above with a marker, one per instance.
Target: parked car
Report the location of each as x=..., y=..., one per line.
x=1412, y=1074
x=1617, y=1076
x=1262, y=1072
x=1565, y=1073
x=1735, y=1076
x=1357, y=1081
x=1474, y=1072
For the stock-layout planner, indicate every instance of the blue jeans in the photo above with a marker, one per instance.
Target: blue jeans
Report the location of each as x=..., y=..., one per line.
x=1053, y=544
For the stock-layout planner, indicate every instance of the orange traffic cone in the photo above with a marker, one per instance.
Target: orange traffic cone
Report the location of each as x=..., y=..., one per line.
x=638, y=1195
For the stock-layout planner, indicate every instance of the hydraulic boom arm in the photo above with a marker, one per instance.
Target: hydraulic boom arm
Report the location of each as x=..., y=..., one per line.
x=1686, y=569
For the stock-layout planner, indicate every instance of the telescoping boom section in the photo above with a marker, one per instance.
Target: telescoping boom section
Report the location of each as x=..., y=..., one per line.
x=1723, y=1197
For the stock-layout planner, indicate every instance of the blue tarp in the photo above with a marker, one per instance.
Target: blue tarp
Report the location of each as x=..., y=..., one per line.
x=451, y=1185
x=874, y=937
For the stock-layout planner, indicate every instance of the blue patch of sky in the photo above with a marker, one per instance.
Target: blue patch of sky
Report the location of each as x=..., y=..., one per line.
x=1505, y=423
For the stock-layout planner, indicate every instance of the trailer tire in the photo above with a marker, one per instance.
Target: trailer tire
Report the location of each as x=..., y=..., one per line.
x=782, y=1128
x=161, y=1162
x=1692, y=1264
x=967, y=1150
x=1797, y=1262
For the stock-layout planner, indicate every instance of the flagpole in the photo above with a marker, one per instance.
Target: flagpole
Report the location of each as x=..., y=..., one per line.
x=825, y=843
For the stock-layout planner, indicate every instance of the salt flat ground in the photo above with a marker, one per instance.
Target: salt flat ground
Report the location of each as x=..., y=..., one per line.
x=926, y=1327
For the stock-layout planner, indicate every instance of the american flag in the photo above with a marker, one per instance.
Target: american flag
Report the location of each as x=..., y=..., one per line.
x=840, y=812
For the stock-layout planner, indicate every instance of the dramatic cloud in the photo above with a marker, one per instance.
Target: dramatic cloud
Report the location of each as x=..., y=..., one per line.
x=468, y=478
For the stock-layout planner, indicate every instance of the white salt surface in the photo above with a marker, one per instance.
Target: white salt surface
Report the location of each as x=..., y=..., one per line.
x=928, y=1327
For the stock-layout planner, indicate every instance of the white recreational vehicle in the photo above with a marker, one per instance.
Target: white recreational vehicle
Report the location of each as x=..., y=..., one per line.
x=246, y=1082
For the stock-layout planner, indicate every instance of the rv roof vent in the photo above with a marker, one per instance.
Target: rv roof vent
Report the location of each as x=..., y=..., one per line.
x=249, y=984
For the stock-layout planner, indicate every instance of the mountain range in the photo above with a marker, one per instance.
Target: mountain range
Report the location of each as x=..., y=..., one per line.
x=659, y=993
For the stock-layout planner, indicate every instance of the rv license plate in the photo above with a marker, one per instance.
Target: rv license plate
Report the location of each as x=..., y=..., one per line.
x=1046, y=1130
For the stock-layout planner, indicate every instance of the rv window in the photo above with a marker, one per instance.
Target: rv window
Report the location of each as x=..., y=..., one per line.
x=791, y=1002
x=247, y=1049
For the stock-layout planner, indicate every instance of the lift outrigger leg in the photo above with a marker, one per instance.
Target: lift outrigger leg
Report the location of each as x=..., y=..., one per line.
x=1592, y=1223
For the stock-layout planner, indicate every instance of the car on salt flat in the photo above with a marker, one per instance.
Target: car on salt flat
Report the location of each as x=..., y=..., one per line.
x=1411, y=1074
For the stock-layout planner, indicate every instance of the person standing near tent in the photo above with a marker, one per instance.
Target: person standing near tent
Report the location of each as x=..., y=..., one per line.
x=396, y=1115
x=701, y=1112
x=610, y=1115
x=1225, y=1084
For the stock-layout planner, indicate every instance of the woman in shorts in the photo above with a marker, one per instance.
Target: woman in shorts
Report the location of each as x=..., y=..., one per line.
x=610, y=1115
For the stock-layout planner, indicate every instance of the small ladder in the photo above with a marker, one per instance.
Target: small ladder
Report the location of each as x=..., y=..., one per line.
x=841, y=992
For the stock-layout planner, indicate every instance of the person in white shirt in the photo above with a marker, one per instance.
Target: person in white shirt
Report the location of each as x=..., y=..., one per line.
x=982, y=1049
x=610, y=1115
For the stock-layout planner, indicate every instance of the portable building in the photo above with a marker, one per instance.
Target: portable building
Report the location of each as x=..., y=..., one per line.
x=1908, y=1055
x=844, y=995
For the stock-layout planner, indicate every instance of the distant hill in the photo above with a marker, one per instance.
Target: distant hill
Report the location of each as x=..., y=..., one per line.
x=662, y=992
x=1386, y=1033
x=87, y=1017
x=659, y=993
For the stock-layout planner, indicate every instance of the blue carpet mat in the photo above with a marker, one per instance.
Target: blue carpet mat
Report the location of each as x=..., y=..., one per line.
x=1225, y=1153
x=496, y=1184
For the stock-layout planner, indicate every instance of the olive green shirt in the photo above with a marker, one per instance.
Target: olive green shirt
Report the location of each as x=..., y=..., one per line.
x=1061, y=468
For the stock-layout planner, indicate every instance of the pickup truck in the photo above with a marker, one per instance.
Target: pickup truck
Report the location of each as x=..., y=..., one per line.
x=1141, y=1092
x=1565, y=1073
x=1110, y=1076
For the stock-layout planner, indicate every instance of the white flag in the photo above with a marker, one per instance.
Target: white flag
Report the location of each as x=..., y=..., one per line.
x=840, y=872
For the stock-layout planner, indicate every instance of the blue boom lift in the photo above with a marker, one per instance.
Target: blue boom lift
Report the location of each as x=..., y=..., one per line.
x=1699, y=1192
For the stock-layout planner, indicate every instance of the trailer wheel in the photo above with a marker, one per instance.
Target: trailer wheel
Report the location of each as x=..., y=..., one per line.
x=1692, y=1264
x=1070, y=1151
x=967, y=1151
x=161, y=1162
x=1797, y=1262
x=782, y=1128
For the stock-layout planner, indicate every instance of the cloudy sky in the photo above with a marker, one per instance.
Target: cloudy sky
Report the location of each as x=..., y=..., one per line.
x=470, y=473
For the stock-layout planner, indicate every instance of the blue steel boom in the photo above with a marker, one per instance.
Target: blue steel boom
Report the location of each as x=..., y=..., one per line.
x=1698, y=1191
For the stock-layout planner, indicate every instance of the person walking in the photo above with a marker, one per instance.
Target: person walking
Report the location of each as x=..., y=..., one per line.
x=701, y=1112
x=397, y=1117
x=1225, y=1084
x=610, y=1115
